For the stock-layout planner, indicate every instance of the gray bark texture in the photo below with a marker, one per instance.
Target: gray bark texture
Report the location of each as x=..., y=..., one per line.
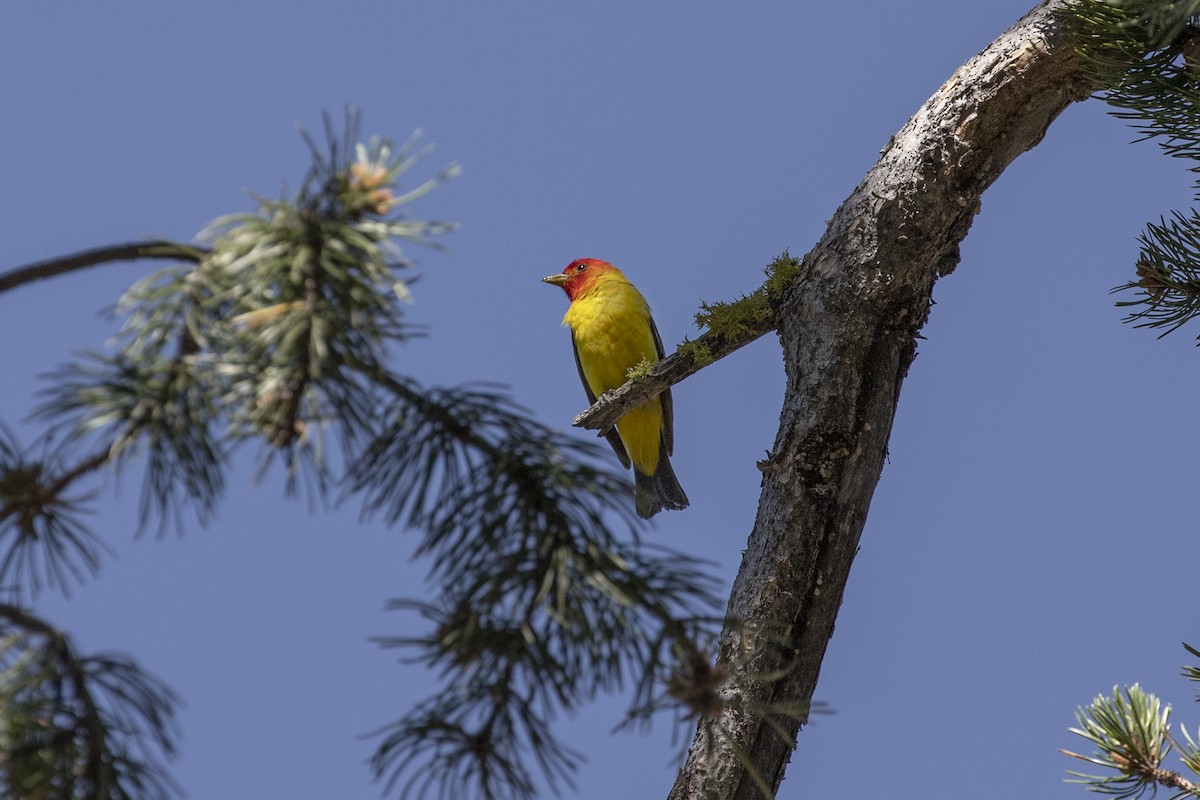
x=848, y=326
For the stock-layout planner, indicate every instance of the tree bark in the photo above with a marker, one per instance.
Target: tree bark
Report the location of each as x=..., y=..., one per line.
x=849, y=326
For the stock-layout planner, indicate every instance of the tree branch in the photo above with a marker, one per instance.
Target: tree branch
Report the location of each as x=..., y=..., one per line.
x=93, y=462
x=848, y=327
x=688, y=359
x=158, y=249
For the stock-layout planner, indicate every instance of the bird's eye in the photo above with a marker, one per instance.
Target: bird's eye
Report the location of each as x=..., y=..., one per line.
x=580, y=267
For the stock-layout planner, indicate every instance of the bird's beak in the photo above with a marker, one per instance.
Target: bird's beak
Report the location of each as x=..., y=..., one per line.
x=558, y=279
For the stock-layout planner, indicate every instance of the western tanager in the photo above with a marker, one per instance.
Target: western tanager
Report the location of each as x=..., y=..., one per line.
x=612, y=331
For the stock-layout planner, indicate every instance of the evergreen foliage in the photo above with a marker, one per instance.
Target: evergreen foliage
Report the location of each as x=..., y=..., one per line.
x=74, y=726
x=277, y=332
x=1144, y=56
x=1132, y=736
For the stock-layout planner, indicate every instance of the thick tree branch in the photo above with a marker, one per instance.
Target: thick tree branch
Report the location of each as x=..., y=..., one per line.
x=159, y=249
x=848, y=327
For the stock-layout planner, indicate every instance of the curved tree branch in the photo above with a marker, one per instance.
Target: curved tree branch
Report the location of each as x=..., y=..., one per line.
x=159, y=249
x=848, y=327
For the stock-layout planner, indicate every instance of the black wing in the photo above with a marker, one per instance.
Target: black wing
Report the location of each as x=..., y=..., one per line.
x=611, y=434
x=668, y=426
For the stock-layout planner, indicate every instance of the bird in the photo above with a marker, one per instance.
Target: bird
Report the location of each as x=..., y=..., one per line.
x=611, y=332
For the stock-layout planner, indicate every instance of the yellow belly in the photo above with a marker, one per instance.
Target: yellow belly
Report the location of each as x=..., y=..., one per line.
x=611, y=329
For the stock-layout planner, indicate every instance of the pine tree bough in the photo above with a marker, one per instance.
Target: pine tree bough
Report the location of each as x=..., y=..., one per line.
x=848, y=327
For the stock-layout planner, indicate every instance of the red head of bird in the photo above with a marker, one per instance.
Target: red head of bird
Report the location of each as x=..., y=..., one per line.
x=580, y=275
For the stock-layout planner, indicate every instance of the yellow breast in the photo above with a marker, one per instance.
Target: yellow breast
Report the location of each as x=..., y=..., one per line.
x=611, y=328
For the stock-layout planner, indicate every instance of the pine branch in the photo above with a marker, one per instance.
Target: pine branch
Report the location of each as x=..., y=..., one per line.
x=44, y=540
x=1192, y=671
x=154, y=249
x=308, y=289
x=73, y=726
x=1143, y=56
x=279, y=332
x=539, y=605
x=1132, y=734
x=256, y=336
x=1130, y=782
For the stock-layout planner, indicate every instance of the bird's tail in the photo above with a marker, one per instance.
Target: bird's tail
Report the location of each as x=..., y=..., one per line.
x=653, y=493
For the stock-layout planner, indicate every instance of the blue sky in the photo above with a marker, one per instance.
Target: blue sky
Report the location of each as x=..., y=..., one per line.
x=1032, y=540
